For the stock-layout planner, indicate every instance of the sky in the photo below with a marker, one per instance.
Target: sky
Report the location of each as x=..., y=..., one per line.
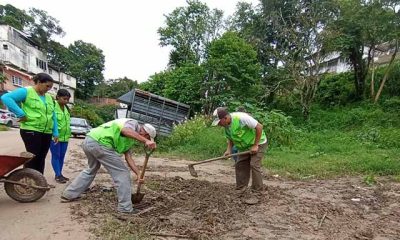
x=126, y=30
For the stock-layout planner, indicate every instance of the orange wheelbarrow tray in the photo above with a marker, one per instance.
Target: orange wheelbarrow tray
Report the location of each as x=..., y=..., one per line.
x=22, y=185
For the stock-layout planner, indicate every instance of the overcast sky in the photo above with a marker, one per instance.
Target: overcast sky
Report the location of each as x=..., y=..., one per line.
x=126, y=30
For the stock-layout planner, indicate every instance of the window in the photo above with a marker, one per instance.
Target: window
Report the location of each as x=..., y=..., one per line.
x=17, y=81
x=5, y=46
x=41, y=64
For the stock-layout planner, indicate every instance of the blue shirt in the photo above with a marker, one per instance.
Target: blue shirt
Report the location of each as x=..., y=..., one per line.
x=12, y=99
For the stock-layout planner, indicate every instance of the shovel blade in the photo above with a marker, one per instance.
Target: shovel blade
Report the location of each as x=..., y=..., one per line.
x=192, y=171
x=137, y=197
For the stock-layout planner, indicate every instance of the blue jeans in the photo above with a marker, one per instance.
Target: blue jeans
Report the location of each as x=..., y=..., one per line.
x=234, y=150
x=57, y=156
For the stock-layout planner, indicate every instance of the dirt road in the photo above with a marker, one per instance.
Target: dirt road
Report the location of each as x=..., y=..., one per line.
x=206, y=207
x=47, y=218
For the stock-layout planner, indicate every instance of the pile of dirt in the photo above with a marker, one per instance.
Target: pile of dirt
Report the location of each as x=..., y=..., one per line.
x=336, y=209
x=198, y=209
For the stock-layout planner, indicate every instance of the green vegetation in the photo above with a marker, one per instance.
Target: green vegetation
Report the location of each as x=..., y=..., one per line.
x=96, y=115
x=3, y=128
x=359, y=139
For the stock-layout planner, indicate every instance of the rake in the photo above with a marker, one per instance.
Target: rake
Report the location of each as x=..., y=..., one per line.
x=193, y=171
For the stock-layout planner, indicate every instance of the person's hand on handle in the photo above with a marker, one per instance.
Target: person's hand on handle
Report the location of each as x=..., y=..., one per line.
x=150, y=144
x=139, y=180
x=55, y=139
x=23, y=119
x=227, y=152
x=254, y=149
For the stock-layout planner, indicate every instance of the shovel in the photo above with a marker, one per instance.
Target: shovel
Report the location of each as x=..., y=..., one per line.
x=193, y=171
x=138, y=196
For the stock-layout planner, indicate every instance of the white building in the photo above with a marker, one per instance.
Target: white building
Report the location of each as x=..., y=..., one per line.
x=335, y=63
x=21, y=59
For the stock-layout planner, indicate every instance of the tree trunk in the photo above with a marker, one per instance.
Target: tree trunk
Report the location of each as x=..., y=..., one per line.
x=359, y=73
x=372, y=87
x=388, y=69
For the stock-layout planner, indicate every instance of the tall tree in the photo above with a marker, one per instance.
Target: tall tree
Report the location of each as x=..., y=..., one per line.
x=233, y=72
x=115, y=88
x=294, y=43
x=15, y=17
x=87, y=66
x=189, y=30
x=44, y=28
x=360, y=25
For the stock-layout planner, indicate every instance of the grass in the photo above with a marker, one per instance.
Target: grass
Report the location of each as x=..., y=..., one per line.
x=112, y=229
x=3, y=128
x=332, y=153
x=356, y=140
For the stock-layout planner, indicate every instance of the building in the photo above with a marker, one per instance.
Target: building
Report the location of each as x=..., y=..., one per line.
x=335, y=63
x=21, y=59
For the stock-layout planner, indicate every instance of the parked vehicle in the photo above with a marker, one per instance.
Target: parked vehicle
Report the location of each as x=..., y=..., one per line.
x=8, y=118
x=146, y=107
x=79, y=126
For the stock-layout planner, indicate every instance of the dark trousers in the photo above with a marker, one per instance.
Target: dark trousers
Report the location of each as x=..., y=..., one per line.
x=247, y=165
x=37, y=143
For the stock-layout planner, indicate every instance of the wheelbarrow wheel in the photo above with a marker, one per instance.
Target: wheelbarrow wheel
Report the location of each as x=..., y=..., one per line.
x=22, y=193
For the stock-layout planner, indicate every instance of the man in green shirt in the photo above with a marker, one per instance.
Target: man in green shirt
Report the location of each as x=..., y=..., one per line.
x=103, y=146
x=246, y=134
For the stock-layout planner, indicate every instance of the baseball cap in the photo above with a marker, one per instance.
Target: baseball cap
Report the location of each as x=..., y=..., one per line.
x=150, y=130
x=218, y=114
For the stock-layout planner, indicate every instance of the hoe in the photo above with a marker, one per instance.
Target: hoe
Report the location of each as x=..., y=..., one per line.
x=193, y=171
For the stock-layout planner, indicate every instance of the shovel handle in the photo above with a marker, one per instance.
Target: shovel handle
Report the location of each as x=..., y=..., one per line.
x=222, y=157
x=146, y=160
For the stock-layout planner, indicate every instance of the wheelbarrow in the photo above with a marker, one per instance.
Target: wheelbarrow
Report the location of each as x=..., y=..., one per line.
x=23, y=185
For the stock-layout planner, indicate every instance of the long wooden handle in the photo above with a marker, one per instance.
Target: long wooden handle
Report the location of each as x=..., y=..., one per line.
x=146, y=160
x=219, y=158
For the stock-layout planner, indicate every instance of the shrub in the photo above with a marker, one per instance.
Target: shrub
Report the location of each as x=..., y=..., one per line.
x=336, y=89
x=84, y=110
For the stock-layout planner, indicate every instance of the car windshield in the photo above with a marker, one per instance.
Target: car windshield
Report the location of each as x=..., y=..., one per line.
x=78, y=122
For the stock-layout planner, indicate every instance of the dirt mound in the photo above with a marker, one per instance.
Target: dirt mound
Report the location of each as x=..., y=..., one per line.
x=292, y=210
x=198, y=209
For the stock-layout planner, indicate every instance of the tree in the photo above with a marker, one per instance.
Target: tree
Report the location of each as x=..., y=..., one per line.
x=360, y=25
x=115, y=88
x=233, y=72
x=189, y=30
x=87, y=65
x=182, y=84
x=393, y=37
x=15, y=17
x=43, y=28
x=295, y=44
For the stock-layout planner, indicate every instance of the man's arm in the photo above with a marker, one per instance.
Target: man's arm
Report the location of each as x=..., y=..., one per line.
x=131, y=163
x=254, y=148
x=228, y=147
x=128, y=132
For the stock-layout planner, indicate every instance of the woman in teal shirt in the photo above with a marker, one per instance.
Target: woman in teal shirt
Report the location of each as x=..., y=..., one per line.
x=37, y=117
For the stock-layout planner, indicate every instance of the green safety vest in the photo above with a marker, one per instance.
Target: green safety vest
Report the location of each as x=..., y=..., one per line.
x=64, y=123
x=109, y=135
x=242, y=136
x=39, y=114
